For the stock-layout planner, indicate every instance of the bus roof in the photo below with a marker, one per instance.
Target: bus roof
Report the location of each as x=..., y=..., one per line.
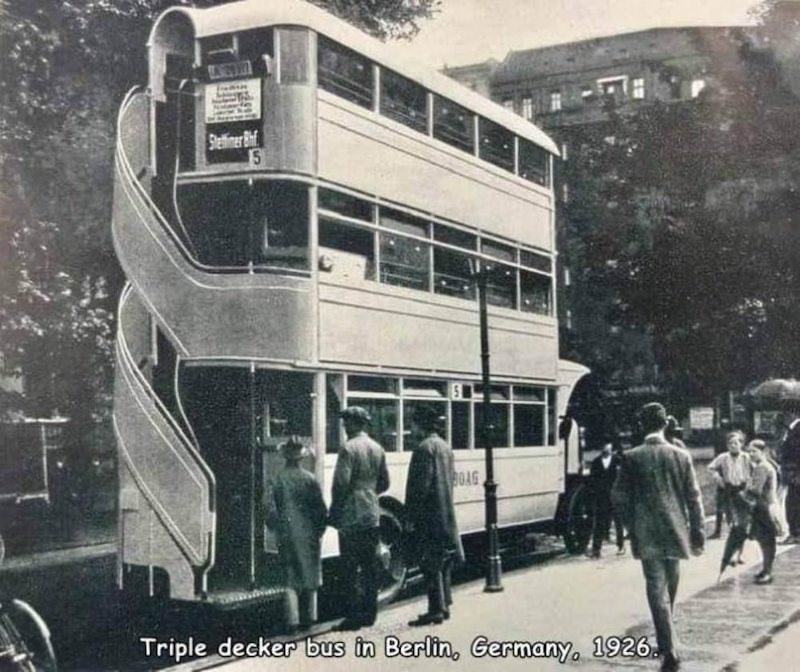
x=246, y=14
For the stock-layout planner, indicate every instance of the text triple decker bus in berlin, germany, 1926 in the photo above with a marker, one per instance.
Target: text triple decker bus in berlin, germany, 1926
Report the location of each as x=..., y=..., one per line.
x=299, y=215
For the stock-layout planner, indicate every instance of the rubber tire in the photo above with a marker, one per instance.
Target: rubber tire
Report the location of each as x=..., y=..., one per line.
x=35, y=634
x=393, y=568
x=579, y=520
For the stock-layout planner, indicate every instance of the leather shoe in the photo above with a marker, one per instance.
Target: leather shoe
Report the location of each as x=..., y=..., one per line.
x=716, y=535
x=764, y=579
x=349, y=625
x=670, y=663
x=427, y=619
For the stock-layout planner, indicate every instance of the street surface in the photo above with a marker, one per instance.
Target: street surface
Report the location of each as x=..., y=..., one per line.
x=574, y=600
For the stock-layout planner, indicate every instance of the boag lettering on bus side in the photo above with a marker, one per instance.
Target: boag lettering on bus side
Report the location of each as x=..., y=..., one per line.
x=233, y=120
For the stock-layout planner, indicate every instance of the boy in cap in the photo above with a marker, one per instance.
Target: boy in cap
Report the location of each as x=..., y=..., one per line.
x=298, y=515
x=360, y=476
x=656, y=491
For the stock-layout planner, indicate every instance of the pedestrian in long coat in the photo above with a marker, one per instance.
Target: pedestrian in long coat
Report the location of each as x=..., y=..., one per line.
x=298, y=515
x=657, y=493
x=360, y=476
x=431, y=515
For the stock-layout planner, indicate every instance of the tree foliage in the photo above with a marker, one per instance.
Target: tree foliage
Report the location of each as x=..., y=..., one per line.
x=683, y=224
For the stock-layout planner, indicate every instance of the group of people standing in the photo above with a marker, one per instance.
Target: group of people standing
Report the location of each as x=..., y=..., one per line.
x=297, y=513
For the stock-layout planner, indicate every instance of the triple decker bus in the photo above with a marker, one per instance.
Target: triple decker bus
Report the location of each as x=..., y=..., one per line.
x=300, y=215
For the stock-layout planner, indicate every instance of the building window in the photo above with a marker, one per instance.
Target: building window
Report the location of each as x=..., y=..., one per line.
x=555, y=101
x=613, y=86
x=697, y=86
x=508, y=103
x=587, y=92
x=527, y=108
x=564, y=151
x=453, y=124
x=567, y=278
x=638, y=88
x=496, y=144
x=404, y=101
x=345, y=73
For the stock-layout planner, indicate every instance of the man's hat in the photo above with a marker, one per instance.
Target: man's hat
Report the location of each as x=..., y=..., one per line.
x=293, y=447
x=356, y=413
x=425, y=415
x=673, y=425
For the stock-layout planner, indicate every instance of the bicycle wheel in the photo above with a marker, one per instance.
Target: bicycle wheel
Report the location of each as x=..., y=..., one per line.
x=25, y=644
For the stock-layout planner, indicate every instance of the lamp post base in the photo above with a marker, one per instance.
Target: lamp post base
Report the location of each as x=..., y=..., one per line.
x=493, y=578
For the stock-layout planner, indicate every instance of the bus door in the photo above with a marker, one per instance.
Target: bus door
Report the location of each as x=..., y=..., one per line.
x=240, y=415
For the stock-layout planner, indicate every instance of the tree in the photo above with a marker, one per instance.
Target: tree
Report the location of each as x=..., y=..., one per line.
x=66, y=66
x=682, y=219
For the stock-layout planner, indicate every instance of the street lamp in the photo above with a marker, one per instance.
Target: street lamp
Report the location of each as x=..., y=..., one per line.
x=494, y=567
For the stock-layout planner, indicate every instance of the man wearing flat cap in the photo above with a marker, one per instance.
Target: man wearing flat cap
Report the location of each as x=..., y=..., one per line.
x=656, y=493
x=360, y=476
x=431, y=514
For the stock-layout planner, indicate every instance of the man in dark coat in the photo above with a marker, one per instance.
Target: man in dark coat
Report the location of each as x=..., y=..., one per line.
x=657, y=493
x=360, y=476
x=790, y=471
x=298, y=515
x=602, y=475
x=431, y=514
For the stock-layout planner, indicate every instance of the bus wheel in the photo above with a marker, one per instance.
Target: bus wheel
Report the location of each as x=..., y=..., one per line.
x=391, y=560
x=579, y=520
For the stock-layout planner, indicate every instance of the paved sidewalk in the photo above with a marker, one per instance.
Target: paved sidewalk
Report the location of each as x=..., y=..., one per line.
x=573, y=601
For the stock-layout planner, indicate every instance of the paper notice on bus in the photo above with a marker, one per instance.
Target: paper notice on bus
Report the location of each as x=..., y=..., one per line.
x=233, y=101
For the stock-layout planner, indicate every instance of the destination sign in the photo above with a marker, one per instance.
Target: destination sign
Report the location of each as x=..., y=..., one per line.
x=230, y=70
x=234, y=141
x=227, y=102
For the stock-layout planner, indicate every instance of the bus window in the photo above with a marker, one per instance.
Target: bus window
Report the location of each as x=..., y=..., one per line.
x=405, y=262
x=496, y=144
x=383, y=427
x=349, y=250
x=256, y=46
x=528, y=424
x=552, y=417
x=501, y=285
x=346, y=205
x=452, y=270
x=453, y=124
x=334, y=396
x=413, y=434
x=404, y=101
x=498, y=425
x=540, y=262
x=534, y=293
x=372, y=384
x=280, y=220
x=534, y=162
x=345, y=73
x=294, y=55
x=235, y=225
x=459, y=420
x=217, y=49
x=216, y=223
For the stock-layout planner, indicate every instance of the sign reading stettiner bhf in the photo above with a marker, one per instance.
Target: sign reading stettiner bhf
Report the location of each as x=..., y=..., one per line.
x=233, y=120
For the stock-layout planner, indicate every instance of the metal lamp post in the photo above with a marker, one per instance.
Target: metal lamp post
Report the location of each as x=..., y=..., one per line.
x=494, y=567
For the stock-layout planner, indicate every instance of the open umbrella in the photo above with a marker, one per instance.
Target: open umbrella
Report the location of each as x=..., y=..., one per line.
x=783, y=391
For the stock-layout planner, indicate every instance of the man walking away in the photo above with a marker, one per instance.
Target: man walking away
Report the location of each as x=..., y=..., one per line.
x=657, y=493
x=790, y=469
x=602, y=475
x=360, y=476
x=431, y=514
x=297, y=514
